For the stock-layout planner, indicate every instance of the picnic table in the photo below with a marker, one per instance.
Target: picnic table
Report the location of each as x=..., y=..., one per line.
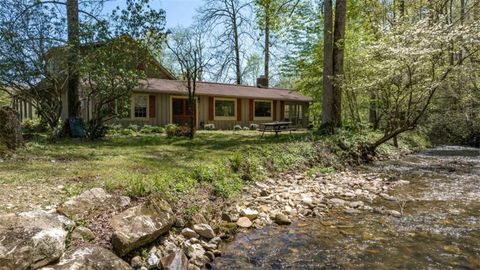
x=276, y=127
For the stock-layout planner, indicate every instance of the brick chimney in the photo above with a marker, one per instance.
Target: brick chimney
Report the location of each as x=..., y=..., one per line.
x=262, y=82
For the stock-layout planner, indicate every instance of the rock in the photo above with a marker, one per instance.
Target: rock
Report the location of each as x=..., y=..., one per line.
x=337, y=202
x=189, y=233
x=288, y=210
x=136, y=262
x=170, y=247
x=10, y=129
x=152, y=261
x=198, y=219
x=356, y=204
x=92, y=203
x=141, y=225
x=388, y=197
x=30, y=240
x=394, y=213
x=264, y=193
x=306, y=200
x=192, y=266
x=204, y=230
x=249, y=213
x=175, y=261
x=83, y=234
x=89, y=257
x=194, y=251
x=282, y=219
x=244, y=222
x=208, y=246
x=216, y=240
x=352, y=211
x=229, y=217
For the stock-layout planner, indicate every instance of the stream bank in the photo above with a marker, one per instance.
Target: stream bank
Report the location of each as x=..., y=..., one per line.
x=418, y=212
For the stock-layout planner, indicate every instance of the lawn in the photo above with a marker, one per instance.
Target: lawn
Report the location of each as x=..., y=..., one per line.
x=44, y=174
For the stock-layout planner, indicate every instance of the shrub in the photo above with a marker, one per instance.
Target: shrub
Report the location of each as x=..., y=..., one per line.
x=133, y=127
x=170, y=129
x=33, y=125
x=209, y=126
x=254, y=126
x=246, y=128
x=158, y=129
x=147, y=129
x=237, y=127
x=183, y=131
x=126, y=132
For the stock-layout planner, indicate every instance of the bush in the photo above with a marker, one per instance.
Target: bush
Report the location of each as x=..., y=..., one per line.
x=237, y=127
x=33, y=125
x=133, y=127
x=254, y=126
x=126, y=132
x=209, y=126
x=246, y=128
x=170, y=129
x=148, y=129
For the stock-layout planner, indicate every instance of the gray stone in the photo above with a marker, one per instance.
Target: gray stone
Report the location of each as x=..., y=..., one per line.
x=194, y=251
x=189, y=233
x=141, y=225
x=89, y=257
x=230, y=217
x=175, y=261
x=282, y=219
x=30, y=240
x=92, y=203
x=83, y=234
x=204, y=230
x=152, y=261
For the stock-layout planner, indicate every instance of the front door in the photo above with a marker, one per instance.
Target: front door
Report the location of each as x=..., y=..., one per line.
x=180, y=114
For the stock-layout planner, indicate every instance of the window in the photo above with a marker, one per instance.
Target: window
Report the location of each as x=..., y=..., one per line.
x=140, y=104
x=225, y=109
x=263, y=110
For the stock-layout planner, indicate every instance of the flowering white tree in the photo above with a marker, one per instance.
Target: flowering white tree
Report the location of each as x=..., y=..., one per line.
x=409, y=65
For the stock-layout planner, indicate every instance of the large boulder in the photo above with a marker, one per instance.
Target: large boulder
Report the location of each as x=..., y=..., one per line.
x=140, y=225
x=10, y=129
x=89, y=257
x=30, y=240
x=92, y=203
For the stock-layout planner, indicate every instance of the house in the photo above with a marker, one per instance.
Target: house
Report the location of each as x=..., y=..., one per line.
x=162, y=99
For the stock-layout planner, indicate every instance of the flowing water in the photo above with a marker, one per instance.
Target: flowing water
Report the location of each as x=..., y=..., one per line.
x=439, y=228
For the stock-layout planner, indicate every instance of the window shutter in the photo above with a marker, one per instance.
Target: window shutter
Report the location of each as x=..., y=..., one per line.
x=239, y=109
x=251, y=110
x=152, y=106
x=282, y=110
x=274, y=110
x=211, y=109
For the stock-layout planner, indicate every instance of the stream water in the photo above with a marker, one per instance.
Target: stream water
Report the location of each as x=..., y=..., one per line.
x=439, y=228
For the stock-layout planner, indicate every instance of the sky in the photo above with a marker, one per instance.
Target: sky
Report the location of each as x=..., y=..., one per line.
x=179, y=12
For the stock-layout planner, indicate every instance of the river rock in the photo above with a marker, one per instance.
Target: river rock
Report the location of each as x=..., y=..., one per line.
x=204, y=230
x=136, y=262
x=89, y=257
x=189, y=233
x=244, y=222
x=30, y=240
x=92, y=203
x=141, y=225
x=83, y=234
x=230, y=217
x=175, y=261
x=249, y=213
x=152, y=261
x=282, y=219
x=194, y=251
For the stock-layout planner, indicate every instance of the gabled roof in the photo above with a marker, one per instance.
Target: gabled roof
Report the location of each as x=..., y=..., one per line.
x=222, y=90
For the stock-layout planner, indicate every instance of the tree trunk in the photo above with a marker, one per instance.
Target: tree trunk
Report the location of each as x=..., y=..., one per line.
x=338, y=59
x=267, y=48
x=327, y=97
x=372, y=112
x=237, y=50
x=73, y=55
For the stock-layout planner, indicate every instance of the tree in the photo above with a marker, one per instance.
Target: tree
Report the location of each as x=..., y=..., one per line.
x=270, y=14
x=73, y=58
x=333, y=64
x=188, y=55
x=411, y=65
x=27, y=33
x=228, y=18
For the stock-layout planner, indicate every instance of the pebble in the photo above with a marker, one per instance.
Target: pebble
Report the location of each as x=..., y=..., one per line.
x=244, y=222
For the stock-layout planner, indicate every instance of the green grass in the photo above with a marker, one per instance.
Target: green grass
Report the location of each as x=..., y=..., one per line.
x=143, y=164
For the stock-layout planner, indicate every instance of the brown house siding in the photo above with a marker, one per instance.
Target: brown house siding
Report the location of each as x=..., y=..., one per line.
x=239, y=109
x=274, y=110
x=282, y=110
x=251, y=110
x=211, y=109
x=152, y=106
